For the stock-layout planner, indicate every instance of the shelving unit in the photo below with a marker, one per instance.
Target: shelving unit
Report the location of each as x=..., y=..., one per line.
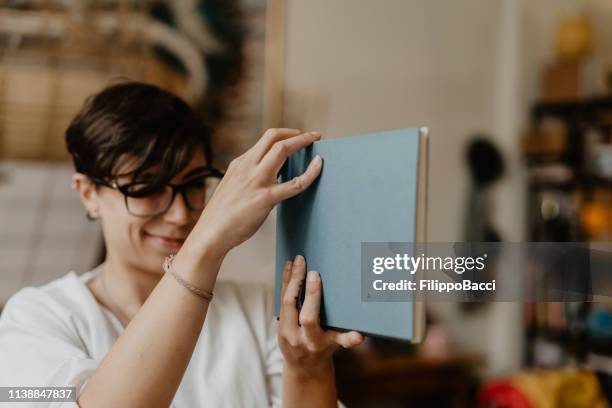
x=568, y=150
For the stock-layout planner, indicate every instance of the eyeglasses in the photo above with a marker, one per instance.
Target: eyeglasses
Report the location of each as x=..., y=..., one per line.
x=142, y=200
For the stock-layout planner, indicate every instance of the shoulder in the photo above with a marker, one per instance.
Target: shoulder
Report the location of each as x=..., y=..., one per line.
x=44, y=335
x=57, y=301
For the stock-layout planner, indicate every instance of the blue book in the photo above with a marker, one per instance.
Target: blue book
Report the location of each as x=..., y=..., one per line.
x=372, y=189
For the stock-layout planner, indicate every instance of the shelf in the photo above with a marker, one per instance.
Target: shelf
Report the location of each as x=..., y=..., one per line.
x=571, y=108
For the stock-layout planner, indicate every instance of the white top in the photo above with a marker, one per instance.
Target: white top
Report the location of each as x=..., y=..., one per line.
x=57, y=334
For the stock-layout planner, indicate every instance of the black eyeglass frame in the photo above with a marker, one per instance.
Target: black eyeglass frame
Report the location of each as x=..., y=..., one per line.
x=176, y=189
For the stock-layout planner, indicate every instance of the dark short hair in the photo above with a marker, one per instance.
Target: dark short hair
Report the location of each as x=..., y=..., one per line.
x=136, y=120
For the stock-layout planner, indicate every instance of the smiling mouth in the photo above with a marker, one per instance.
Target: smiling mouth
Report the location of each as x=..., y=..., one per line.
x=166, y=240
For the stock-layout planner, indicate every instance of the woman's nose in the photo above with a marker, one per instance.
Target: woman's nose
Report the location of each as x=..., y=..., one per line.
x=177, y=213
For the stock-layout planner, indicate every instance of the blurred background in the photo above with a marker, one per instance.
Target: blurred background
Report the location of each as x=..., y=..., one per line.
x=518, y=98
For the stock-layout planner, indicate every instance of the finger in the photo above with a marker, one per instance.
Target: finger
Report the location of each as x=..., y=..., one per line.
x=286, y=277
x=289, y=313
x=274, y=159
x=283, y=191
x=309, y=314
x=346, y=340
x=268, y=139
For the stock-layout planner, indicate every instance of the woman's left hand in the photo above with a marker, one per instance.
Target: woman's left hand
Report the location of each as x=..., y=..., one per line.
x=307, y=348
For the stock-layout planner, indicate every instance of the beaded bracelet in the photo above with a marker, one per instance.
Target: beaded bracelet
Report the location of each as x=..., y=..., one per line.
x=204, y=294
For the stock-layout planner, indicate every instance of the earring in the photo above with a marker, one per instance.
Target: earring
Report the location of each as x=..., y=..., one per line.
x=91, y=217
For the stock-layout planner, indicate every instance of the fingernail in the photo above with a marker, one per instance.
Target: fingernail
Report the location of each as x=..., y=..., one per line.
x=315, y=133
x=317, y=159
x=299, y=260
x=313, y=276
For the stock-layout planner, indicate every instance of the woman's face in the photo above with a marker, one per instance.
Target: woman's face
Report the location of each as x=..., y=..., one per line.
x=143, y=243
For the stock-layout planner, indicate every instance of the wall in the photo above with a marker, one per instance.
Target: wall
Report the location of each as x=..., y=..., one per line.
x=43, y=230
x=459, y=67
x=448, y=65
x=399, y=63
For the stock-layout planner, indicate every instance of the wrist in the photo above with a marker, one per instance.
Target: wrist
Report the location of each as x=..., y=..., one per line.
x=323, y=372
x=307, y=387
x=202, y=249
x=198, y=264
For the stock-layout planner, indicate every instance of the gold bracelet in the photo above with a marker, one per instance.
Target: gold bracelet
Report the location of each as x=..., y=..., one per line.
x=204, y=294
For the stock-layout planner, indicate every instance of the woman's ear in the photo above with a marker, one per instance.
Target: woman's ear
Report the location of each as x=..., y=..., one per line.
x=88, y=193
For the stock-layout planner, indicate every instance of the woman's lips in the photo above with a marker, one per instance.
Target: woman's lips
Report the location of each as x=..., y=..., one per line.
x=166, y=242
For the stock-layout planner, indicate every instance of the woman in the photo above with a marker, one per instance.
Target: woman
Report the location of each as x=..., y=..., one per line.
x=127, y=334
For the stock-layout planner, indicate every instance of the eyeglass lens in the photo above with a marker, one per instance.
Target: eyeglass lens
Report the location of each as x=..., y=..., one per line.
x=196, y=195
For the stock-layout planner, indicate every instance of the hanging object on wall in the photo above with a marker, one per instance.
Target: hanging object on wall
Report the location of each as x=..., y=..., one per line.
x=485, y=166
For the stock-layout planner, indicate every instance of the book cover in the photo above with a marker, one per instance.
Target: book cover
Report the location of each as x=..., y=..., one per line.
x=372, y=189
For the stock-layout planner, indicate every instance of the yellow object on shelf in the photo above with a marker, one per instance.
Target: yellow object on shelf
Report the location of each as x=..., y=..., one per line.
x=574, y=38
x=596, y=215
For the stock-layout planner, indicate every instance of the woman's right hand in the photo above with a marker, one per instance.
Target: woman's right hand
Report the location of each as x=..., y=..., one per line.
x=249, y=190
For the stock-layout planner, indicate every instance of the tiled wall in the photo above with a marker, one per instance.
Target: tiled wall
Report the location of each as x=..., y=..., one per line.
x=43, y=230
